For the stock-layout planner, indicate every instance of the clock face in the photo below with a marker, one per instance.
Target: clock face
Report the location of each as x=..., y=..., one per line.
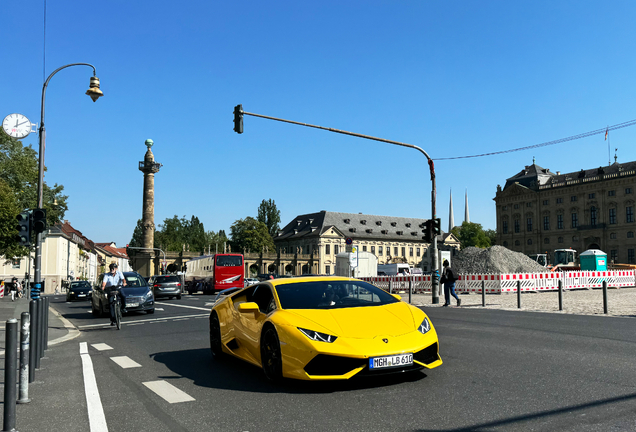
x=16, y=126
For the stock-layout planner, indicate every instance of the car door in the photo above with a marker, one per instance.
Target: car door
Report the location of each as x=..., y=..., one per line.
x=252, y=323
x=98, y=296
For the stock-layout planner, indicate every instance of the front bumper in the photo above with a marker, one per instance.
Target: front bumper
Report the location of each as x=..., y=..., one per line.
x=139, y=304
x=78, y=296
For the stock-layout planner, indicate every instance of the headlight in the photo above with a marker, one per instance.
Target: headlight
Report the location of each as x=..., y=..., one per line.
x=317, y=336
x=424, y=327
x=148, y=296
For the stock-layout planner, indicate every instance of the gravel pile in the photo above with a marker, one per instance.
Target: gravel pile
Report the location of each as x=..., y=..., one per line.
x=496, y=259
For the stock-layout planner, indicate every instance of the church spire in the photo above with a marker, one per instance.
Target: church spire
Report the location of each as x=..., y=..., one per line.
x=451, y=218
x=466, y=217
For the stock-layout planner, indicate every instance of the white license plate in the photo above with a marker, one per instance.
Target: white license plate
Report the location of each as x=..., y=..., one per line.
x=397, y=360
x=132, y=305
x=81, y=295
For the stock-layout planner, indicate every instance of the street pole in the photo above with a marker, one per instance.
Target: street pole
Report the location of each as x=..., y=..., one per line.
x=434, y=287
x=94, y=92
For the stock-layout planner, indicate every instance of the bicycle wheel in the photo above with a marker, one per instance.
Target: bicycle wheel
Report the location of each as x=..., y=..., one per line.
x=118, y=315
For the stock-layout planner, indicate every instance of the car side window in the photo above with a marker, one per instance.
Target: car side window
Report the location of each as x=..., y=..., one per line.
x=264, y=299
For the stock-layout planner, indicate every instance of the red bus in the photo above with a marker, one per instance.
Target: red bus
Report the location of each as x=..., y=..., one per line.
x=215, y=273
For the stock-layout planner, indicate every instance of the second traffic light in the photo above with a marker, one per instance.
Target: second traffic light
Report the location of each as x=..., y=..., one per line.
x=39, y=220
x=437, y=226
x=24, y=229
x=238, y=119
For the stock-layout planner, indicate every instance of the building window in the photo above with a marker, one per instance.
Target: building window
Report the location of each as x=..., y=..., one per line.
x=590, y=196
x=546, y=240
x=575, y=238
x=612, y=216
x=575, y=220
x=612, y=235
x=364, y=248
x=327, y=270
x=505, y=227
x=573, y=198
x=16, y=263
x=395, y=251
x=328, y=249
x=593, y=216
x=411, y=251
x=516, y=225
x=425, y=253
x=417, y=252
x=335, y=249
x=380, y=250
x=630, y=256
x=529, y=242
x=546, y=223
x=630, y=234
x=505, y=244
x=504, y=208
x=628, y=191
x=373, y=250
x=403, y=251
x=559, y=221
x=614, y=255
x=560, y=240
x=611, y=193
x=529, y=204
x=629, y=214
x=546, y=202
x=559, y=200
x=516, y=206
x=517, y=243
x=529, y=223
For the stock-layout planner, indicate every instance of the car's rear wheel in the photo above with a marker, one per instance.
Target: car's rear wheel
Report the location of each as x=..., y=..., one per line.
x=179, y=297
x=150, y=311
x=216, y=347
x=271, y=357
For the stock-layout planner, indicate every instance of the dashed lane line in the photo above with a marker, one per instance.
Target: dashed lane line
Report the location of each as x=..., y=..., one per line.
x=168, y=392
x=125, y=362
x=106, y=324
x=101, y=346
x=186, y=306
x=96, y=417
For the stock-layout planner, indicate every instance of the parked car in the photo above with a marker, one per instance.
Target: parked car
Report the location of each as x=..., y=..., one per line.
x=79, y=290
x=166, y=286
x=137, y=296
x=250, y=281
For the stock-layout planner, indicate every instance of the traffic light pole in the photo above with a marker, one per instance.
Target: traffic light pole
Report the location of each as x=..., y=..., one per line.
x=238, y=117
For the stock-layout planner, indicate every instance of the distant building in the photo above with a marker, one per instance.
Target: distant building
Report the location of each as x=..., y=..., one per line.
x=540, y=211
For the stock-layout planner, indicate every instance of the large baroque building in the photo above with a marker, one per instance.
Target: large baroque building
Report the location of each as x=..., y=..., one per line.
x=539, y=211
x=391, y=239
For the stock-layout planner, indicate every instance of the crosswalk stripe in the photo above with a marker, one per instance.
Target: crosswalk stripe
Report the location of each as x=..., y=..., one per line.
x=101, y=347
x=125, y=362
x=189, y=307
x=106, y=324
x=168, y=392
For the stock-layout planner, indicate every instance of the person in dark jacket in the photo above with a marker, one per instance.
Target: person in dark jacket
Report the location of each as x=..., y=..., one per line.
x=448, y=279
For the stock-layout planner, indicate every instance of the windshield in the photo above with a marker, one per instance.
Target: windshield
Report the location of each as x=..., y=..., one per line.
x=82, y=284
x=135, y=280
x=331, y=295
x=229, y=261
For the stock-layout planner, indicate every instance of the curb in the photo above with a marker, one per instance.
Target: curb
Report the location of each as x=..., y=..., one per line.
x=73, y=332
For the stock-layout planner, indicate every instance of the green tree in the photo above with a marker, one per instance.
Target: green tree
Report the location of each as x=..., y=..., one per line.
x=250, y=234
x=471, y=234
x=270, y=216
x=176, y=232
x=492, y=236
x=9, y=209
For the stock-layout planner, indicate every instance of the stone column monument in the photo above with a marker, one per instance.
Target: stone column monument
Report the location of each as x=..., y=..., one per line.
x=149, y=167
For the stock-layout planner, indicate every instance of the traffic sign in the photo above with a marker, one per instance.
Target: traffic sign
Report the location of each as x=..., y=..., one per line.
x=349, y=241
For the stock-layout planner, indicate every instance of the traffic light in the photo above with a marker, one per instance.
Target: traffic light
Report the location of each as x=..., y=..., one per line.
x=39, y=220
x=238, y=119
x=24, y=228
x=437, y=227
x=428, y=231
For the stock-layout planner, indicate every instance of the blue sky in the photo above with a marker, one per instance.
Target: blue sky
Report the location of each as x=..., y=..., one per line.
x=453, y=77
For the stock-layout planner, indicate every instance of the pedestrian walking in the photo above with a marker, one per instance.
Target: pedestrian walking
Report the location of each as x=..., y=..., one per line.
x=448, y=279
x=14, y=287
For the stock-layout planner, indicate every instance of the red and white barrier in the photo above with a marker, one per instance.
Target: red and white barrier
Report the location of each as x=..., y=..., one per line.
x=503, y=283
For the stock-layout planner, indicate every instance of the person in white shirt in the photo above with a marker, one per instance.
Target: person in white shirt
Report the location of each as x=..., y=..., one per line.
x=111, y=283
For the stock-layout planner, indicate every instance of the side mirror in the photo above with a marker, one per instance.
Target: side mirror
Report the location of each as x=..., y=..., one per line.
x=397, y=296
x=248, y=307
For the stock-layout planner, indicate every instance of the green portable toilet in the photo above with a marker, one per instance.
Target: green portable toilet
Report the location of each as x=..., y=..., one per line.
x=593, y=259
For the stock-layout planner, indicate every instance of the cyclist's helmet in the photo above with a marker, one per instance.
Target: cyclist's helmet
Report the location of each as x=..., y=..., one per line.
x=112, y=266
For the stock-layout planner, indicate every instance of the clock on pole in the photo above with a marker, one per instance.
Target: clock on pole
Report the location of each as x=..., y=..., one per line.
x=16, y=126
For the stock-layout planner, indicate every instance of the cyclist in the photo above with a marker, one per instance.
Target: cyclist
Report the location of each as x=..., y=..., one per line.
x=112, y=282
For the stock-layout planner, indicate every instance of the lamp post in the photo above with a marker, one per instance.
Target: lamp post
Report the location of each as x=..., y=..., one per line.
x=95, y=93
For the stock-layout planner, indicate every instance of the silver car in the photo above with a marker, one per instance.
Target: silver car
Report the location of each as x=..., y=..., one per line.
x=166, y=286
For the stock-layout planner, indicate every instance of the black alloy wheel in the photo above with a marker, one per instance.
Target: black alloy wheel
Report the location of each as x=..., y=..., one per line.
x=271, y=357
x=216, y=347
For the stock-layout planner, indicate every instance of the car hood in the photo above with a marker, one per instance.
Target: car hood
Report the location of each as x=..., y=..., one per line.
x=358, y=322
x=134, y=291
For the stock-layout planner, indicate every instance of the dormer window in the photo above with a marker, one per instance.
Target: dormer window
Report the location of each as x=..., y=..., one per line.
x=408, y=224
x=298, y=222
x=400, y=232
x=352, y=229
x=347, y=221
x=369, y=230
x=384, y=232
x=414, y=233
x=378, y=223
x=295, y=231
x=363, y=222
x=393, y=223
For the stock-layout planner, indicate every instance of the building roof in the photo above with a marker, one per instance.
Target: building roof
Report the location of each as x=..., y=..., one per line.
x=358, y=225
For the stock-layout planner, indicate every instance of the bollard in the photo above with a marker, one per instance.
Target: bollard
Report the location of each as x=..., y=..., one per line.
x=519, y=294
x=24, y=358
x=47, y=302
x=410, y=290
x=560, y=295
x=483, y=293
x=390, y=287
x=10, y=366
x=605, y=297
x=33, y=312
x=41, y=326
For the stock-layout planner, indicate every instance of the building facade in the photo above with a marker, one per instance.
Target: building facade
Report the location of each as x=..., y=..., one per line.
x=539, y=211
x=319, y=237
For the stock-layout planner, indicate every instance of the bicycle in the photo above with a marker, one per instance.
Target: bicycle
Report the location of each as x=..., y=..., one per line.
x=117, y=307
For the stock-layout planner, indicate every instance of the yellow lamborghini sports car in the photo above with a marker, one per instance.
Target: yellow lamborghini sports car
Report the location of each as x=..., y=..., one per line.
x=322, y=328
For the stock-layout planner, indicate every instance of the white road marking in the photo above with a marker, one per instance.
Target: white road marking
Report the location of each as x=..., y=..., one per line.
x=125, y=362
x=158, y=309
x=181, y=319
x=186, y=306
x=101, y=347
x=96, y=417
x=168, y=392
x=106, y=324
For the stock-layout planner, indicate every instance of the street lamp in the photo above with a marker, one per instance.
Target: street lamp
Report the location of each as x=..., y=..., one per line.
x=95, y=93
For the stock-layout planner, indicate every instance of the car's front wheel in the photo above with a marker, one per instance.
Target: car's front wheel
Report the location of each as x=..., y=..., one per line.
x=216, y=347
x=150, y=311
x=94, y=310
x=271, y=357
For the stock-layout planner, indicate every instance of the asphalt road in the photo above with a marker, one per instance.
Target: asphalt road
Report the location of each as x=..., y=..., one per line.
x=502, y=371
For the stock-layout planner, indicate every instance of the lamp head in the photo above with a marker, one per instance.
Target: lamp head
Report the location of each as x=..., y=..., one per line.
x=94, y=92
